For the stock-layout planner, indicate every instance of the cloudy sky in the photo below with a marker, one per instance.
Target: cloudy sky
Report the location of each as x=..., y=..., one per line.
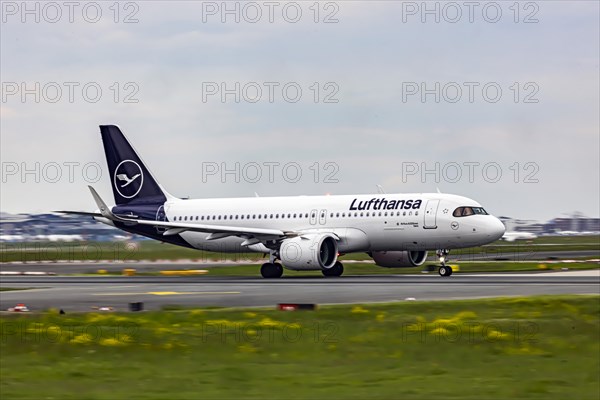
x=492, y=101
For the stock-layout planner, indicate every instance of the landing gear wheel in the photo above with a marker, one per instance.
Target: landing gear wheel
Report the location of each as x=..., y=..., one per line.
x=442, y=253
x=445, y=271
x=336, y=270
x=271, y=270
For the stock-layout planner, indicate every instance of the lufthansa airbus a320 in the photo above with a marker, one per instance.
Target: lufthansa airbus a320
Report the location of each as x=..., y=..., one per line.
x=298, y=233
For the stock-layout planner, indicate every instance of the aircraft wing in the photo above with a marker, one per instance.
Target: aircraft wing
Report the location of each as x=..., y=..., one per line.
x=217, y=231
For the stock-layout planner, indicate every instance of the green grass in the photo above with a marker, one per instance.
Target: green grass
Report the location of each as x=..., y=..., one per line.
x=8, y=289
x=152, y=250
x=544, y=347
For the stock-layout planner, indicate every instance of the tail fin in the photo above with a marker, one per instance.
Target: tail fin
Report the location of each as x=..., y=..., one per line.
x=131, y=181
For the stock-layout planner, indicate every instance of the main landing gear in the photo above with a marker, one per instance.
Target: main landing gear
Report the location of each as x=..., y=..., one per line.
x=444, y=270
x=271, y=269
x=336, y=270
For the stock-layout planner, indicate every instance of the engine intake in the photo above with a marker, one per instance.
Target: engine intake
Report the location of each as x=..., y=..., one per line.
x=309, y=252
x=399, y=259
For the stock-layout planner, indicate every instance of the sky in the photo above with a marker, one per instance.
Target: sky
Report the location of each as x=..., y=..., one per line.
x=496, y=101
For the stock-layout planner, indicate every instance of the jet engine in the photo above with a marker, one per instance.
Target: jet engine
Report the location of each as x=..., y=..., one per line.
x=309, y=252
x=399, y=259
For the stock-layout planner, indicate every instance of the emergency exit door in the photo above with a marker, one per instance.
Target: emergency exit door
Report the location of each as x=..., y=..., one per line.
x=430, y=214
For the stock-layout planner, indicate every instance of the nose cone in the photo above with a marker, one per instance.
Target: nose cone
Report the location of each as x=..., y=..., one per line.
x=495, y=229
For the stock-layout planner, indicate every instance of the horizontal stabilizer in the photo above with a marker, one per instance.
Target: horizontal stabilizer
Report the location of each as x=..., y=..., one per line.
x=89, y=214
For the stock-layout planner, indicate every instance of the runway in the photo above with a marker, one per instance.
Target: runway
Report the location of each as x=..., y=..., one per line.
x=84, y=293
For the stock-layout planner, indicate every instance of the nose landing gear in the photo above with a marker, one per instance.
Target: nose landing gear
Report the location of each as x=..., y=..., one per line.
x=444, y=270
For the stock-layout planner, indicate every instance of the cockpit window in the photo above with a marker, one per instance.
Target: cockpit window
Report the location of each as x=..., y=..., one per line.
x=466, y=211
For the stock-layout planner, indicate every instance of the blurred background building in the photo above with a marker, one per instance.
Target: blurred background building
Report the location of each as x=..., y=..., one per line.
x=57, y=227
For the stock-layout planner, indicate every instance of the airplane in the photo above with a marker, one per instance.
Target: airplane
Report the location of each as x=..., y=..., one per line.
x=302, y=232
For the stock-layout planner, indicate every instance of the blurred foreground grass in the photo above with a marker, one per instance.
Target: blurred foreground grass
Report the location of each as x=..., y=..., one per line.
x=545, y=347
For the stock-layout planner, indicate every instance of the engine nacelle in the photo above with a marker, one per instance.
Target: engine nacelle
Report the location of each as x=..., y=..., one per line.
x=309, y=252
x=399, y=259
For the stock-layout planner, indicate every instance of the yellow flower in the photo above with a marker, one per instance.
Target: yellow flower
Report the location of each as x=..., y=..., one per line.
x=111, y=342
x=247, y=348
x=82, y=339
x=465, y=315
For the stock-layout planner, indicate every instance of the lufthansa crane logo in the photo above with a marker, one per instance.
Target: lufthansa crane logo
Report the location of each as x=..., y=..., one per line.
x=128, y=178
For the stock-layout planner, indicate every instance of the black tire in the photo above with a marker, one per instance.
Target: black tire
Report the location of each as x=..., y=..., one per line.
x=445, y=271
x=278, y=270
x=336, y=270
x=271, y=270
